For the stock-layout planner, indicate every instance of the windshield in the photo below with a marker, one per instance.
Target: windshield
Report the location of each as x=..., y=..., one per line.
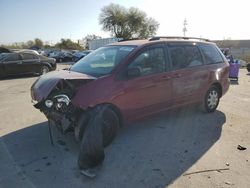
x=102, y=61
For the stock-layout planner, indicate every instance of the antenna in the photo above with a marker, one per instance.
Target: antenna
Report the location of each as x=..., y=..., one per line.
x=184, y=27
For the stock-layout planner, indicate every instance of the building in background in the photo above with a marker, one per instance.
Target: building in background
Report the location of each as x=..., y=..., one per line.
x=94, y=44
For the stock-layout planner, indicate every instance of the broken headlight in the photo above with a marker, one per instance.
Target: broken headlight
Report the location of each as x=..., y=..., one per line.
x=62, y=99
x=49, y=103
x=59, y=101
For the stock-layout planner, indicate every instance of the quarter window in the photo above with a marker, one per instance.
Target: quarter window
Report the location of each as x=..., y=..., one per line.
x=150, y=61
x=28, y=56
x=211, y=54
x=185, y=56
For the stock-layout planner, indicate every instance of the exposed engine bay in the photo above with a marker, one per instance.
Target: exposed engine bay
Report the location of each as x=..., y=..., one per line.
x=55, y=100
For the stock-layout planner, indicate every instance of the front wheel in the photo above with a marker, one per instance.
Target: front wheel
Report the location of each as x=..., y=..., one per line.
x=211, y=100
x=99, y=132
x=44, y=70
x=110, y=126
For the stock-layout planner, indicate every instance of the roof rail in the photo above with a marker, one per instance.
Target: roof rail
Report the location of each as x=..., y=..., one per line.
x=176, y=37
x=122, y=40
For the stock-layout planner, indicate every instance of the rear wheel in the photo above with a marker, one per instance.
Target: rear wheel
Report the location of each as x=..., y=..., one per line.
x=248, y=68
x=211, y=100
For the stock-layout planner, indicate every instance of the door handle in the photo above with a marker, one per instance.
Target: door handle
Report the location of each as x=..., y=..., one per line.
x=177, y=75
x=20, y=62
x=148, y=86
x=166, y=78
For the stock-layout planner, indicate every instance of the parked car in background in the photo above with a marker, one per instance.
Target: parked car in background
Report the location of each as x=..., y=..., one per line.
x=28, y=51
x=62, y=56
x=45, y=52
x=80, y=54
x=4, y=50
x=131, y=80
x=25, y=63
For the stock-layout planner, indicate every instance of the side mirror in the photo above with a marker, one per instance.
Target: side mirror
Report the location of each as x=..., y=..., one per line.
x=133, y=72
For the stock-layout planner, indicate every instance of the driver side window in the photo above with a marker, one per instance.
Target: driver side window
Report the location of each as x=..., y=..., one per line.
x=150, y=61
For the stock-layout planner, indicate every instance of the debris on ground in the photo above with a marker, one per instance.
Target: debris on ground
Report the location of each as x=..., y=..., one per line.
x=228, y=183
x=211, y=170
x=89, y=173
x=241, y=147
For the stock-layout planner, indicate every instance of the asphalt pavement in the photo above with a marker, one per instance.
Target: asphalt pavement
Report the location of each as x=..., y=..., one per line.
x=154, y=153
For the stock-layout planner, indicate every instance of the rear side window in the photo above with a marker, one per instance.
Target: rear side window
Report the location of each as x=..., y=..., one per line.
x=185, y=56
x=211, y=54
x=150, y=61
x=28, y=56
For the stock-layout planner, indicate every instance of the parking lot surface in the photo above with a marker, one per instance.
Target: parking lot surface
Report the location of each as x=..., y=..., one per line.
x=156, y=152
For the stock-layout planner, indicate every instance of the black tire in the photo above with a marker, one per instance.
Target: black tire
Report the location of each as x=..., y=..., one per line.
x=211, y=100
x=80, y=126
x=100, y=131
x=110, y=126
x=44, y=69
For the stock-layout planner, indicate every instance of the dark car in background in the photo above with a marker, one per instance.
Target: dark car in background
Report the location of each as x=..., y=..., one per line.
x=4, y=50
x=25, y=63
x=79, y=55
x=62, y=56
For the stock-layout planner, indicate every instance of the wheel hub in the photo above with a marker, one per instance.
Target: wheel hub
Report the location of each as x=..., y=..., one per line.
x=212, y=99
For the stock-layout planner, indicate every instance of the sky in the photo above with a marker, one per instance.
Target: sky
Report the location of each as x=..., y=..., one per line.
x=51, y=20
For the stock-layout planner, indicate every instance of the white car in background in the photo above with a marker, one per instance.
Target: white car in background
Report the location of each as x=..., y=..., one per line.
x=29, y=51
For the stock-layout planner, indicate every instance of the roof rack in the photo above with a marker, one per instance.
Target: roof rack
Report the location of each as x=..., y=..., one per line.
x=174, y=37
x=122, y=40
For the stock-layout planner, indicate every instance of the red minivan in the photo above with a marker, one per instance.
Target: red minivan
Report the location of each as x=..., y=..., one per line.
x=131, y=80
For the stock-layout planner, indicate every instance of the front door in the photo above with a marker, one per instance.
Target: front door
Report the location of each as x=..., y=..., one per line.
x=30, y=63
x=150, y=91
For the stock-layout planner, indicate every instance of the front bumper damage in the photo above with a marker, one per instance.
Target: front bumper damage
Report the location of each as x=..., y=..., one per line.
x=59, y=111
x=52, y=94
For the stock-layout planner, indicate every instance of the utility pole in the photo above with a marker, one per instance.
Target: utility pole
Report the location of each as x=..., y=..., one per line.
x=184, y=27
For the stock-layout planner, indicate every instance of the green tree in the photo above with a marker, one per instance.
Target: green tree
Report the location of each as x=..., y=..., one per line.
x=38, y=43
x=68, y=44
x=28, y=44
x=127, y=23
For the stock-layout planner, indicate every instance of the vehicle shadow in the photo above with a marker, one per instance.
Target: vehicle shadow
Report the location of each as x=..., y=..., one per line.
x=150, y=153
x=14, y=77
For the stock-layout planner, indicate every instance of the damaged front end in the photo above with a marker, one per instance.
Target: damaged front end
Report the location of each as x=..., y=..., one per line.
x=52, y=94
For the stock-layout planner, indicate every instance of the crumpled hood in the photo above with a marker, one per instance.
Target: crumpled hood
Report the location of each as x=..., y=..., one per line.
x=42, y=87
